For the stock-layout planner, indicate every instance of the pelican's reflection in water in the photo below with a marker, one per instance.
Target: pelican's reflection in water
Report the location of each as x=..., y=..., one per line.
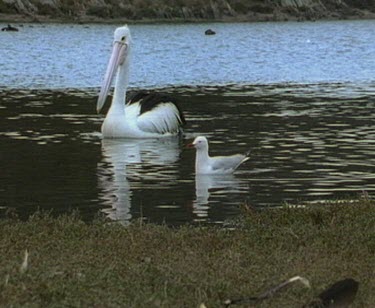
x=127, y=164
x=211, y=188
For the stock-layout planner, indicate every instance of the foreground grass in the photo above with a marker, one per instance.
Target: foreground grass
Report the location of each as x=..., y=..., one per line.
x=72, y=263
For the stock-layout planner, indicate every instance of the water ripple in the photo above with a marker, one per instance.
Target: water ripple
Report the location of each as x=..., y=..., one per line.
x=302, y=149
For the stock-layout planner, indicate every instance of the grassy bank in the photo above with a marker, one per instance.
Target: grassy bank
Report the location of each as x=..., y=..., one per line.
x=71, y=263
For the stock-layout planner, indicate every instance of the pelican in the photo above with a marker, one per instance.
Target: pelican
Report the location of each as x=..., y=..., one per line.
x=145, y=115
x=204, y=164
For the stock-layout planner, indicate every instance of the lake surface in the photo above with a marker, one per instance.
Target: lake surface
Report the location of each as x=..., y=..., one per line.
x=299, y=95
x=60, y=56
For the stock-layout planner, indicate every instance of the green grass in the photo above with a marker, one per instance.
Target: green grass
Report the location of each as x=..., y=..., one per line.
x=75, y=264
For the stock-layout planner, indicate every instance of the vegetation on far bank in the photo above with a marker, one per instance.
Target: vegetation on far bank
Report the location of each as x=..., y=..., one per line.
x=184, y=10
x=101, y=264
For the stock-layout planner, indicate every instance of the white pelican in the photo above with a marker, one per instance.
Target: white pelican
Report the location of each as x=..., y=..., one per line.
x=144, y=116
x=204, y=164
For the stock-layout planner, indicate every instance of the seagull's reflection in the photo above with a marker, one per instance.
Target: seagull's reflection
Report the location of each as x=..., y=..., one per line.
x=209, y=185
x=125, y=161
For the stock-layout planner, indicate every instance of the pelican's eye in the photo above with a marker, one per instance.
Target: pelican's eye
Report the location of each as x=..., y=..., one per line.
x=123, y=39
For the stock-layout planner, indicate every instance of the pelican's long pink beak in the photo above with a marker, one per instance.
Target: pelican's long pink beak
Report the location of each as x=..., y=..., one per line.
x=118, y=56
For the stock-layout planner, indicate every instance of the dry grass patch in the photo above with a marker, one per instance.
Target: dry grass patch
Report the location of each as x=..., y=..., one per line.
x=71, y=263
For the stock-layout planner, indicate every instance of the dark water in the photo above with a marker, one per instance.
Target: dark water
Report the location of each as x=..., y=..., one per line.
x=310, y=143
x=300, y=95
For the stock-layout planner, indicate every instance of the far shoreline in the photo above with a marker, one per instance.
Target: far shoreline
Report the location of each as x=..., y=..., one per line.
x=42, y=19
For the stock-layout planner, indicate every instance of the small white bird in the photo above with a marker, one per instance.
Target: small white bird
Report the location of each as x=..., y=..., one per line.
x=204, y=164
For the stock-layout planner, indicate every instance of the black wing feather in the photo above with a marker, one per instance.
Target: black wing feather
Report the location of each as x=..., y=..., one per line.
x=148, y=101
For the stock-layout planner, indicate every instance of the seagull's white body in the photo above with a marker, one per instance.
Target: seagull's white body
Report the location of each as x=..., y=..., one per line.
x=204, y=164
x=147, y=116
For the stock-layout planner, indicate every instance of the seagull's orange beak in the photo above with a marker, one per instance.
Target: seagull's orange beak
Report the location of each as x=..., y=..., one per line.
x=190, y=145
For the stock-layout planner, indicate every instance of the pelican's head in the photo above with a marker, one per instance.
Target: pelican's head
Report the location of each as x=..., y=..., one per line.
x=199, y=142
x=122, y=35
x=120, y=53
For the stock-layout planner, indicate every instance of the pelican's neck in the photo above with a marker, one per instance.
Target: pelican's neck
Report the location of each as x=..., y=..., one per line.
x=119, y=95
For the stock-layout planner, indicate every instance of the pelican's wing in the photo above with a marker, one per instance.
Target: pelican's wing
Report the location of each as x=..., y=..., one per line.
x=161, y=119
x=158, y=113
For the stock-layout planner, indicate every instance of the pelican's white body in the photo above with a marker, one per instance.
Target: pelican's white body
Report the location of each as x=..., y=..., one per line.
x=204, y=164
x=126, y=120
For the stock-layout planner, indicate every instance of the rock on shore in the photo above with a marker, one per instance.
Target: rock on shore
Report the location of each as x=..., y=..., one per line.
x=183, y=10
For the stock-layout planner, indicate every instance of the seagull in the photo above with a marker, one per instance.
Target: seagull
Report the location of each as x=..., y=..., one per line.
x=146, y=115
x=204, y=164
